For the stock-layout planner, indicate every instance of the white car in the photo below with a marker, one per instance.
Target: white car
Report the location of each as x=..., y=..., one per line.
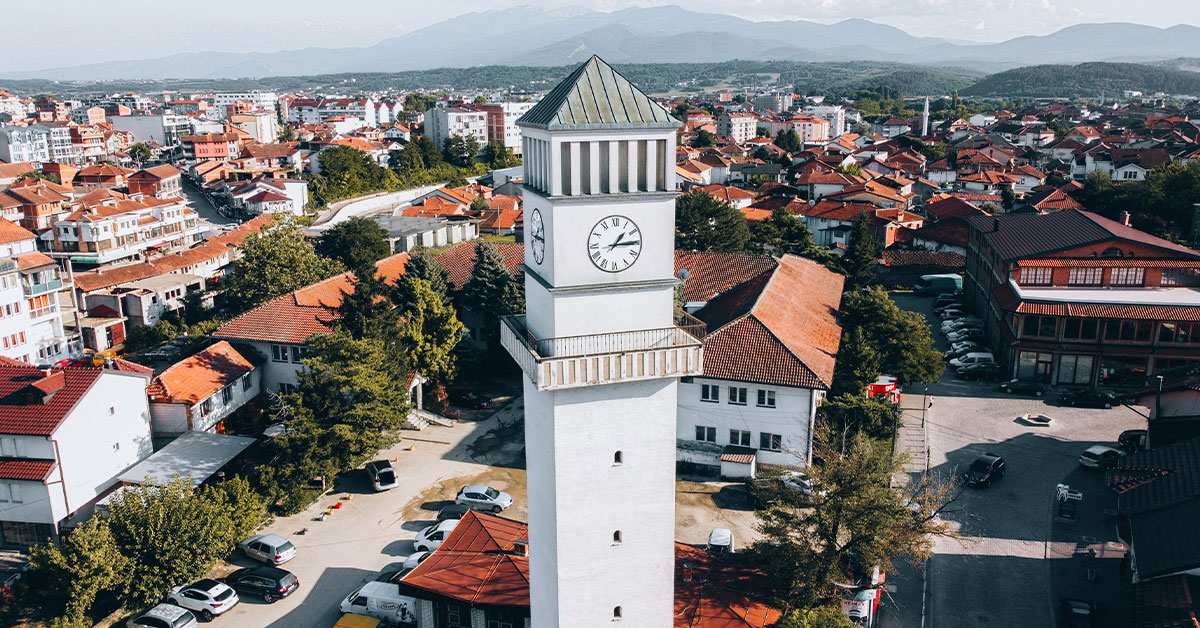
x=271, y=549
x=978, y=357
x=206, y=598
x=431, y=538
x=482, y=497
x=164, y=616
x=1100, y=456
x=958, y=323
x=966, y=333
x=415, y=559
x=720, y=541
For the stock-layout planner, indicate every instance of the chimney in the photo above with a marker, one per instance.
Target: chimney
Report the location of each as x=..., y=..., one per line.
x=1124, y=218
x=521, y=547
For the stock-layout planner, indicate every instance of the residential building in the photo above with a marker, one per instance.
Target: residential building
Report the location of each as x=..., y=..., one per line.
x=263, y=126
x=87, y=143
x=740, y=127
x=778, y=102
x=165, y=181
x=257, y=99
x=810, y=129
x=88, y=115
x=204, y=391
x=405, y=233
x=33, y=203
x=769, y=355
x=441, y=123
x=102, y=176
x=11, y=106
x=502, y=122
x=261, y=195
x=24, y=143
x=66, y=434
x=31, y=317
x=211, y=146
x=144, y=302
x=109, y=226
x=164, y=129
x=1073, y=298
x=834, y=114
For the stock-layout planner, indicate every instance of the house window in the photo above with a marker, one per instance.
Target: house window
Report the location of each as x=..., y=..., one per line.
x=618, y=457
x=1036, y=276
x=739, y=437
x=1081, y=328
x=1039, y=326
x=1126, y=276
x=616, y=612
x=737, y=395
x=706, y=434
x=1086, y=276
x=246, y=382
x=287, y=389
x=279, y=353
x=1180, y=277
x=1179, y=332
x=1128, y=331
x=227, y=395
x=770, y=442
x=616, y=536
x=766, y=398
x=298, y=354
x=710, y=393
x=206, y=407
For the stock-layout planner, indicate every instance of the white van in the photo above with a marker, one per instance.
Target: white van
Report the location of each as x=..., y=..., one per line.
x=977, y=357
x=381, y=600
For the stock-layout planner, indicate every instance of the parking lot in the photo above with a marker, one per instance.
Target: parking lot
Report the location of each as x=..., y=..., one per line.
x=1012, y=563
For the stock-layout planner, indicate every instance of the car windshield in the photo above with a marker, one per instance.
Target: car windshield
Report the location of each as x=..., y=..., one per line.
x=1092, y=455
x=387, y=477
x=491, y=493
x=224, y=595
x=286, y=546
x=981, y=466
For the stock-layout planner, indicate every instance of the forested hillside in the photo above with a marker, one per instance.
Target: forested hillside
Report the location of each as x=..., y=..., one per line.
x=1085, y=80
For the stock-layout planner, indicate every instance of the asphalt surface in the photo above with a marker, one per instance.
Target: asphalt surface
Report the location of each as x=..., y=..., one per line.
x=1011, y=563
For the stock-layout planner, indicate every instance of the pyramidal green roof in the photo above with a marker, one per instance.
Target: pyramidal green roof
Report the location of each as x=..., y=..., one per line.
x=595, y=96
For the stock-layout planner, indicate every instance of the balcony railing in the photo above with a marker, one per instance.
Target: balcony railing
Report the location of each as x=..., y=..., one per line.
x=33, y=289
x=576, y=361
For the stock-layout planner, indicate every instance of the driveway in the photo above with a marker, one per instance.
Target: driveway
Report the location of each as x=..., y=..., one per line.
x=374, y=530
x=1011, y=564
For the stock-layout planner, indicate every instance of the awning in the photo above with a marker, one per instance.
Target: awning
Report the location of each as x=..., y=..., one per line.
x=198, y=454
x=738, y=455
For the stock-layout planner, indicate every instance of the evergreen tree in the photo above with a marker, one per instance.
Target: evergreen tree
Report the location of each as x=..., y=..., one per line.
x=479, y=205
x=789, y=141
x=368, y=311
x=858, y=364
x=499, y=156
x=702, y=223
x=484, y=291
x=432, y=330
x=421, y=264
x=431, y=155
x=275, y=263
x=861, y=255
x=140, y=153
x=286, y=133
x=704, y=139
x=356, y=243
x=461, y=150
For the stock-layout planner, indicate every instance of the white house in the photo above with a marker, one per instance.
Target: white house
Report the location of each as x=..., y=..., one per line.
x=65, y=437
x=200, y=392
x=442, y=122
x=768, y=362
x=31, y=325
x=20, y=143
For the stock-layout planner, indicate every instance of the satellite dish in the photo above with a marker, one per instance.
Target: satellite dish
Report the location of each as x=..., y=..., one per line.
x=684, y=274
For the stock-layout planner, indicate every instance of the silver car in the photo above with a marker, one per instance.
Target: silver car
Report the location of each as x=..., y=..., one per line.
x=482, y=497
x=271, y=549
x=164, y=616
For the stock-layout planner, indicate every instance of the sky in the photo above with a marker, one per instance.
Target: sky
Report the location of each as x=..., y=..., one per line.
x=142, y=29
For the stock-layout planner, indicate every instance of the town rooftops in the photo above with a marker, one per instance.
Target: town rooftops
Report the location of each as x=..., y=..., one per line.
x=595, y=96
x=202, y=375
x=777, y=328
x=12, y=232
x=36, y=402
x=1157, y=477
x=165, y=171
x=1018, y=236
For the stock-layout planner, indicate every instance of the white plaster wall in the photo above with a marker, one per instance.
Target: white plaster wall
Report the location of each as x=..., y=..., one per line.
x=94, y=445
x=220, y=409
x=578, y=497
x=38, y=503
x=790, y=418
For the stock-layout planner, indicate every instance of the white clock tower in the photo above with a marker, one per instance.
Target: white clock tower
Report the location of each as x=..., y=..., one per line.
x=602, y=348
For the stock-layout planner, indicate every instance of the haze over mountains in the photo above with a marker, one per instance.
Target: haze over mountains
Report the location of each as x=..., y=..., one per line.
x=533, y=36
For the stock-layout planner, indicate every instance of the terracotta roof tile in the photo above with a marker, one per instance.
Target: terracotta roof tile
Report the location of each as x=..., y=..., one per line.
x=25, y=469
x=12, y=232
x=719, y=591
x=477, y=564
x=710, y=274
x=200, y=376
x=23, y=408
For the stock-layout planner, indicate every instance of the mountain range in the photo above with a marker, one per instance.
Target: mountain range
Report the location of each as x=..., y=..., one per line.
x=665, y=34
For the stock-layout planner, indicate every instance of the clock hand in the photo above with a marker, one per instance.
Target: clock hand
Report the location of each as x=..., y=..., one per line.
x=618, y=242
x=629, y=243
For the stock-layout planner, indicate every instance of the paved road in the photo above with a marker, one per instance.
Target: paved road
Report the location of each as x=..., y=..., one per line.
x=204, y=208
x=999, y=572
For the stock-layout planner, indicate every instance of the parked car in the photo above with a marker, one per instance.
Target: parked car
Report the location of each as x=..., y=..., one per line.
x=959, y=323
x=431, y=538
x=383, y=601
x=469, y=399
x=164, y=616
x=1023, y=387
x=937, y=284
x=453, y=511
x=206, y=598
x=1100, y=456
x=1077, y=614
x=270, y=583
x=981, y=372
x=395, y=574
x=793, y=486
x=975, y=357
x=382, y=475
x=967, y=333
x=1132, y=441
x=1090, y=398
x=945, y=300
x=269, y=548
x=954, y=311
x=720, y=541
x=482, y=497
x=986, y=469
x=960, y=349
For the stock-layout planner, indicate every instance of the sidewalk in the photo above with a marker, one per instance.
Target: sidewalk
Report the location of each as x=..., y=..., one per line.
x=904, y=604
x=911, y=439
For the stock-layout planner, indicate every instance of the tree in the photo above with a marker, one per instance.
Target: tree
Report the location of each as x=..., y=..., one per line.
x=356, y=243
x=461, y=150
x=901, y=338
x=1008, y=197
x=702, y=223
x=193, y=307
x=421, y=264
x=419, y=102
x=861, y=254
x=38, y=174
x=858, y=363
x=499, y=156
x=479, y=205
x=850, y=414
x=140, y=153
x=789, y=141
x=704, y=139
x=275, y=263
x=859, y=522
x=818, y=617
x=431, y=328
x=409, y=160
x=286, y=133
x=786, y=233
x=430, y=153
x=484, y=291
x=852, y=169
x=368, y=311
x=72, y=574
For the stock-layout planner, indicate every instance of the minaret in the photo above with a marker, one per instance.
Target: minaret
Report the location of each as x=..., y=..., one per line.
x=925, y=120
x=601, y=352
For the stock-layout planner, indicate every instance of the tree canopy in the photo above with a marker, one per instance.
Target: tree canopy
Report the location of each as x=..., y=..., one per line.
x=461, y=150
x=498, y=156
x=431, y=328
x=356, y=243
x=862, y=253
x=786, y=233
x=274, y=263
x=900, y=341
x=703, y=223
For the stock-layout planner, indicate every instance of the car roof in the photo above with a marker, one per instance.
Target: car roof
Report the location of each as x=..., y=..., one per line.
x=382, y=464
x=474, y=488
x=720, y=536
x=206, y=584
x=265, y=571
x=165, y=611
x=979, y=354
x=988, y=457
x=455, y=508
x=1099, y=449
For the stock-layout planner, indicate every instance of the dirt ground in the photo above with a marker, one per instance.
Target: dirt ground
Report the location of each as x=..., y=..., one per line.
x=702, y=506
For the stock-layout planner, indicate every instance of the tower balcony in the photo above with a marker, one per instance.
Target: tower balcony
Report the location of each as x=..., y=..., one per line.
x=612, y=358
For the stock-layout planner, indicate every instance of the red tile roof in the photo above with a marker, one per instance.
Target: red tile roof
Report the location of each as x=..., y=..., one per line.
x=900, y=257
x=477, y=564
x=12, y=232
x=200, y=376
x=293, y=317
x=944, y=206
x=726, y=193
x=710, y=274
x=165, y=171
x=460, y=260
x=718, y=591
x=1166, y=603
x=34, y=403
x=778, y=328
x=25, y=469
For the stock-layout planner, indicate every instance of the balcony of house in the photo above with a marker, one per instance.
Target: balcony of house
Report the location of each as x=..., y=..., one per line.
x=34, y=287
x=577, y=361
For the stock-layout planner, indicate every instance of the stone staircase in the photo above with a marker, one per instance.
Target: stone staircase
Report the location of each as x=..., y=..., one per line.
x=419, y=419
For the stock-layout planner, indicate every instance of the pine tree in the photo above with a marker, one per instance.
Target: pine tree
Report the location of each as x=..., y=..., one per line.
x=484, y=291
x=422, y=264
x=432, y=330
x=861, y=255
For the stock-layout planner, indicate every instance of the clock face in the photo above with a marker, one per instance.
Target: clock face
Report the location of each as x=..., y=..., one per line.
x=614, y=244
x=537, y=237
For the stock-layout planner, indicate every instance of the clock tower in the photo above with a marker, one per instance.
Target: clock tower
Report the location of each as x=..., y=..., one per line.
x=602, y=349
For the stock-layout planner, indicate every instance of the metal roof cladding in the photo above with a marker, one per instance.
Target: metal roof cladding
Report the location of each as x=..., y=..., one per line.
x=595, y=96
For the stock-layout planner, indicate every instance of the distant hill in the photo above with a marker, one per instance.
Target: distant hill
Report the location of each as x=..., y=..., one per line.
x=1085, y=79
x=529, y=35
